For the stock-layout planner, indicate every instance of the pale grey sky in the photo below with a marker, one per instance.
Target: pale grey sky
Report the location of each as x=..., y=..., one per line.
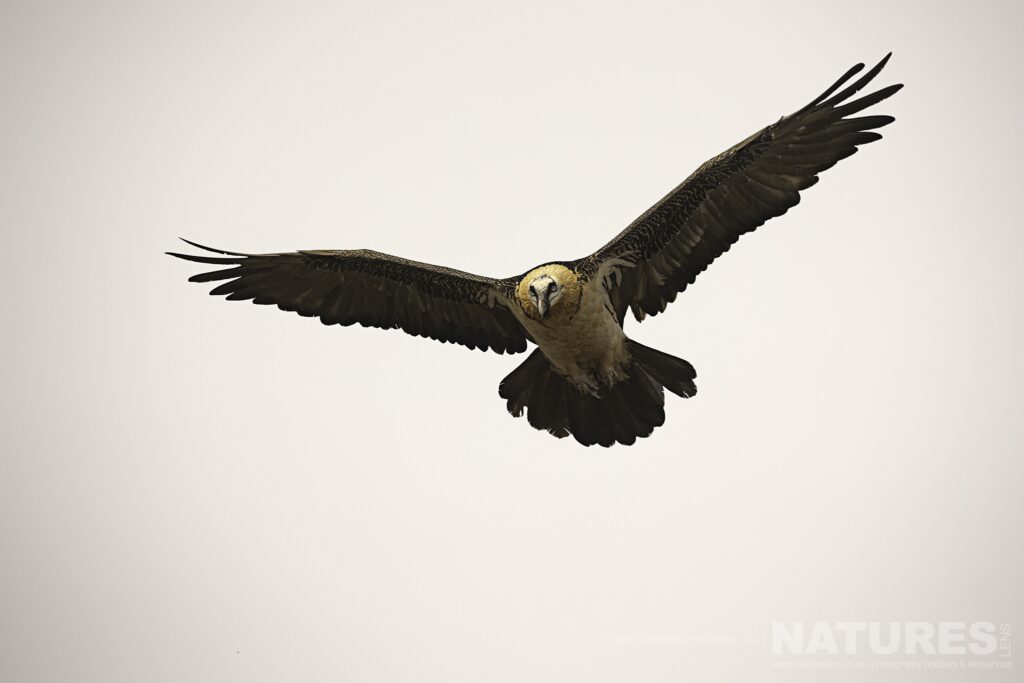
x=194, y=490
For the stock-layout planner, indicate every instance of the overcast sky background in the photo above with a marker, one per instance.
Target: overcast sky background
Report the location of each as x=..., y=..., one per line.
x=194, y=490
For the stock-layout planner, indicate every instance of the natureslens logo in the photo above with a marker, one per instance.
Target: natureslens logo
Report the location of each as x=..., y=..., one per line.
x=908, y=638
x=944, y=644
x=849, y=645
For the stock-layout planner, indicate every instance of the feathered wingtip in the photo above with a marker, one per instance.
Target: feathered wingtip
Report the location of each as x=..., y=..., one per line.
x=823, y=100
x=215, y=251
x=231, y=258
x=238, y=256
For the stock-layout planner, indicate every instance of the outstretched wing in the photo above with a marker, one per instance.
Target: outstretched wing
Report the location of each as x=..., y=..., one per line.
x=664, y=250
x=374, y=290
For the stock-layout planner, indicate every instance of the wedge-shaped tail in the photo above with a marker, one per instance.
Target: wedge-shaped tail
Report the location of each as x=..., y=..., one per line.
x=624, y=412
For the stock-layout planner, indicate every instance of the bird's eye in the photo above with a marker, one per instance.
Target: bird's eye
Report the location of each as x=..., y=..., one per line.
x=551, y=287
x=533, y=292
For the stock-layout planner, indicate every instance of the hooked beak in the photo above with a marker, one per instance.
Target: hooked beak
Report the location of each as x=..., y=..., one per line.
x=542, y=304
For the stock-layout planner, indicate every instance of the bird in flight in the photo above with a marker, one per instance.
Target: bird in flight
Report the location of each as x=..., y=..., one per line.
x=585, y=378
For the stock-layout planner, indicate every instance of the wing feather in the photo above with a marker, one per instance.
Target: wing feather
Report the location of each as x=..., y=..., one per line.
x=665, y=249
x=372, y=289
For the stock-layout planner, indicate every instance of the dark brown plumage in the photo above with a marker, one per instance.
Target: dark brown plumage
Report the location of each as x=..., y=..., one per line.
x=666, y=248
x=586, y=378
x=372, y=289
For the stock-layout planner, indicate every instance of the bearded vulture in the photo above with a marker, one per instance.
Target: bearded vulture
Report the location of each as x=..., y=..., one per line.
x=586, y=378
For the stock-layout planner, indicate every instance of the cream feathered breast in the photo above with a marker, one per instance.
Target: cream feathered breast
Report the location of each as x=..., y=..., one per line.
x=583, y=341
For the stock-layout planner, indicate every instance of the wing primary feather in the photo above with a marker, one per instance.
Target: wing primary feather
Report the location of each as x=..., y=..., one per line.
x=215, y=260
x=215, y=251
x=851, y=72
x=858, y=84
x=213, y=275
x=866, y=101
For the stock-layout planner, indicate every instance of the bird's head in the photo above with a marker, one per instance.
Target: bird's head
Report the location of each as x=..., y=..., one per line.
x=544, y=292
x=549, y=291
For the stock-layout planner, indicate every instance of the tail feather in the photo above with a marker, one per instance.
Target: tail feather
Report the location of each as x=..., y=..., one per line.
x=620, y=418
x=518, y=386
x=585, y=422
x=547, y=410
x=675, y=374
x=534, y=386
x=629, y=409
